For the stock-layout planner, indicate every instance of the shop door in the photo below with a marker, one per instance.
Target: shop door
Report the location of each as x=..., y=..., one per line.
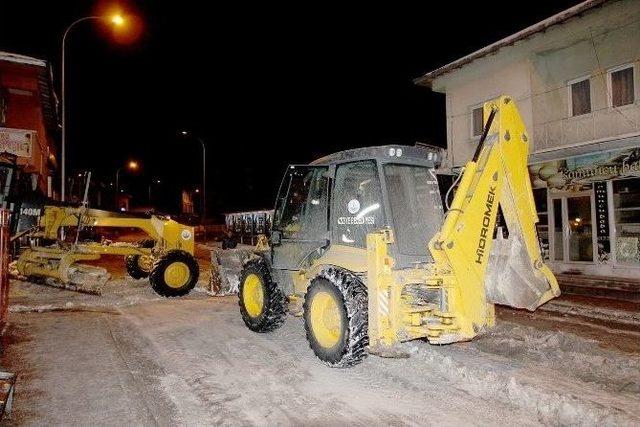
x=574, y=239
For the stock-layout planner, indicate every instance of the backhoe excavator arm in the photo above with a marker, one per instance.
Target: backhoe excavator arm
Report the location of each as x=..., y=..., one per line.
x=506, y=271
x=475, y=267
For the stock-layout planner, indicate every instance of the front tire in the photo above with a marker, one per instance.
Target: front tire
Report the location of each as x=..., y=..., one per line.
x=262, y=303
x=174, y=274
x=336, y=318
x=139, y=266
x=135, y=266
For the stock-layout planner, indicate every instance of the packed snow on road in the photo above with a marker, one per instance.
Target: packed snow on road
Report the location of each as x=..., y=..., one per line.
x=131, y=357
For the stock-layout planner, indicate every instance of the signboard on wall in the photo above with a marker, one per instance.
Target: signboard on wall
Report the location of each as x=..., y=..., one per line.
x=602, y=221
x=574, y=171
x=18, y=142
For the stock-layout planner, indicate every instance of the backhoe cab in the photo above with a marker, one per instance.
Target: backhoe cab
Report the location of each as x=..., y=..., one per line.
x=362, y=248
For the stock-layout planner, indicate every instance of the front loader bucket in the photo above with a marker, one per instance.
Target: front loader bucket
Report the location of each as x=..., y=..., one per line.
x=512, y=279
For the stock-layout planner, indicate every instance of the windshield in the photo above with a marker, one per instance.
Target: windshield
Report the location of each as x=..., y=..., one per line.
x=416, y=206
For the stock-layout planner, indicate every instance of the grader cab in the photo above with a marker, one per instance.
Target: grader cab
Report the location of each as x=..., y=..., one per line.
x=361, y=246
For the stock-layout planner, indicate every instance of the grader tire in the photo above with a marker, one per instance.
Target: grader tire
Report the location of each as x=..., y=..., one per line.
x=132, y=264
x=174, y=274
x=262, y=303
x=134, y=270
x=336, y=318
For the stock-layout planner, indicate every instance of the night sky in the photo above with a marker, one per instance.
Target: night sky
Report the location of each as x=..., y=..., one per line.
x=264, y=85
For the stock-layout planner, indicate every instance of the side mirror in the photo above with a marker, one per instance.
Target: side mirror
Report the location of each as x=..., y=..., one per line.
x=276, y=237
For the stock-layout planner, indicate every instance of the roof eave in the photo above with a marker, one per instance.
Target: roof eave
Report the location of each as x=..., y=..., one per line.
x=559, y=18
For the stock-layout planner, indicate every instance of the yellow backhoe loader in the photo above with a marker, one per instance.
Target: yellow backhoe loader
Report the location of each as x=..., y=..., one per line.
x=166, y=257
x=362, y=247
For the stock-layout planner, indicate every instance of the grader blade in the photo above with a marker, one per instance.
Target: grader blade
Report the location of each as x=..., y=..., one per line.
x=59, y=268
x=87, y=278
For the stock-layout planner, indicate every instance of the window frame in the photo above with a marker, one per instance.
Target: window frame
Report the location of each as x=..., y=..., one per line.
x=610, y=72
x=287, y=180
x=570, y=84
x=614, y=229
x=386, y=221
x=472, y=108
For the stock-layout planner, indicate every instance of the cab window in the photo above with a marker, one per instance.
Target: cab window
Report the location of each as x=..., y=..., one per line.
x=357, y=203
x=302, y=205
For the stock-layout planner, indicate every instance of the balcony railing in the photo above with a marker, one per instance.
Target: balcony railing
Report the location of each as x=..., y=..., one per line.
x=604, y=123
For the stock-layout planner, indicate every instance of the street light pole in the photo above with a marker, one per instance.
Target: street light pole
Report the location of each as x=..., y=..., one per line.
x=153, y=181
x=63, y=155
x=117, y=187
x=131, y=165
x=204, y=177
x=204, y=184
x=116, y=20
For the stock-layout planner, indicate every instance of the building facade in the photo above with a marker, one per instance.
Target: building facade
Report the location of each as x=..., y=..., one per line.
x=29, y=125
x=575, y=79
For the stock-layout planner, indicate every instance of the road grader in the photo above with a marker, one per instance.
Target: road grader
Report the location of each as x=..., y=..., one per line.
x=364, y=250
x=166, y=257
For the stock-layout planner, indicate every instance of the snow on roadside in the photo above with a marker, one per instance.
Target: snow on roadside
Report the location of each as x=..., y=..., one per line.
x=601, y=313
x=34, y=298
x=610, y=370
x=560, y=377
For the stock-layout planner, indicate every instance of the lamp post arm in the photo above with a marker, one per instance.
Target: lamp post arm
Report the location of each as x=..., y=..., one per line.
x=63, y=172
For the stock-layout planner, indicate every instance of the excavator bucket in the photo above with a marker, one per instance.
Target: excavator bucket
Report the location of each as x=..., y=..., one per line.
x=511, y=278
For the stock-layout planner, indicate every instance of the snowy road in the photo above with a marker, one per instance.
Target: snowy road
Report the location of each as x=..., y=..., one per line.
x=191, y=361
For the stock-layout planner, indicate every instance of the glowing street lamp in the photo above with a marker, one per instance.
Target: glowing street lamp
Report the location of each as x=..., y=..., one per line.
x=132, y=166
x=116, y=20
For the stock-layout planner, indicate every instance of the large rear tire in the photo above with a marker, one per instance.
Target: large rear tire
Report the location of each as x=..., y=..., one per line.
x=336, y=318
x=174, y=274
x=262, y=303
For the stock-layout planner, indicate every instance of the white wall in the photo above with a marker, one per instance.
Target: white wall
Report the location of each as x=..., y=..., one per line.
x=535, y=72
x=466, y=90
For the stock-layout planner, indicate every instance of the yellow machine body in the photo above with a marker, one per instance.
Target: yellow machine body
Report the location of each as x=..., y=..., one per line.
x=56, y=261
x=472, y=270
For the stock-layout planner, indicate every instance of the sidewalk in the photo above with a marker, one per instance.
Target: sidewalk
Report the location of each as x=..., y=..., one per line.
x=600, y=287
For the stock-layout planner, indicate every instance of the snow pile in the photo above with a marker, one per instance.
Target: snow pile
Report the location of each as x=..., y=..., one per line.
x=601, y=313
x=588, y=362
x=116, y=294
x=561, y=378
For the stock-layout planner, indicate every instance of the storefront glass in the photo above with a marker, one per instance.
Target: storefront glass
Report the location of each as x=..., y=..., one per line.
x=593, y=211
x=626, y=205
x=580, y=239
x=558, y=226
x=540, y=197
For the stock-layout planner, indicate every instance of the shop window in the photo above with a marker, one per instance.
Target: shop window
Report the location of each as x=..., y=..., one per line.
x=580, y=237
x=621, y=86
x=626, y=204
x=477, y=121
x=540, y=197
x=580, y=97
x=558, y=234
